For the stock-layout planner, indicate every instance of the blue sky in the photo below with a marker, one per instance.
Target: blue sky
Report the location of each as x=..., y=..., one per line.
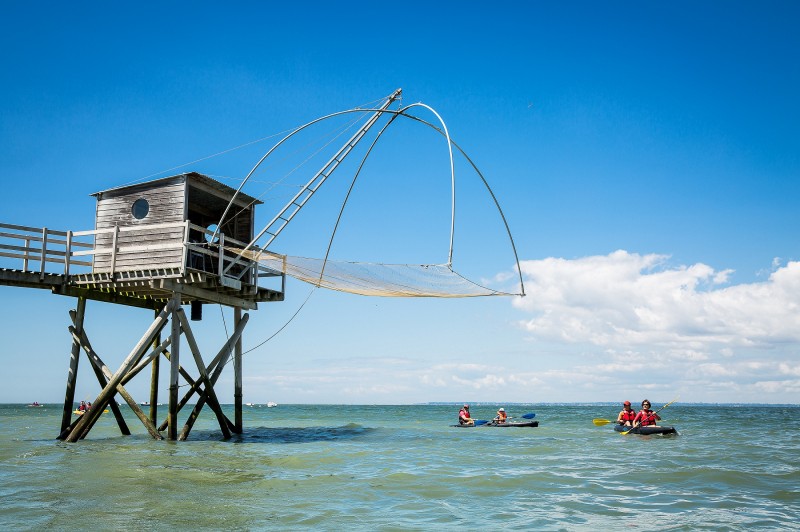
x=646, y=156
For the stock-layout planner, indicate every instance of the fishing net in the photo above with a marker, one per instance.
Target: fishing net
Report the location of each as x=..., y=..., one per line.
x=369, y=279
x=372, y=279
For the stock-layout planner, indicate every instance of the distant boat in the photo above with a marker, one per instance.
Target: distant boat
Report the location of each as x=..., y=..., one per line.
x=271, y=404
x=147, y=403
x=36, y=404
x=249, y=404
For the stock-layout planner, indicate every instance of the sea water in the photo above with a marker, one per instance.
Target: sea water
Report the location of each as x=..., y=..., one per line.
x=334, y=467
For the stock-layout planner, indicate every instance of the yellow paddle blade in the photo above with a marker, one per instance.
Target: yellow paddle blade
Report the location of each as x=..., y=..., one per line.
x=600, y=422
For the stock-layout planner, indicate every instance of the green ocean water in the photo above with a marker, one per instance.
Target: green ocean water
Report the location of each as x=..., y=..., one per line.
x=300, y=467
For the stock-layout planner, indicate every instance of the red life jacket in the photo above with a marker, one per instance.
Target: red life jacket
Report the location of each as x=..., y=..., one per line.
x=648, y=417
x=627, y=415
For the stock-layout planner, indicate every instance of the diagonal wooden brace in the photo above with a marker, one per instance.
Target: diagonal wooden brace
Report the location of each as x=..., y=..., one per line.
x=90, y=417
x=211, y=395
x=123, y=426
x=98, y=363
x=218, y=363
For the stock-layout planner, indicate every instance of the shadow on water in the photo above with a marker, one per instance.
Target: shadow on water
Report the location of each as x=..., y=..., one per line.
x=350, y=431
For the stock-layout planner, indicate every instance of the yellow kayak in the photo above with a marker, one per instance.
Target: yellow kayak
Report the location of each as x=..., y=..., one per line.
x=81, y=412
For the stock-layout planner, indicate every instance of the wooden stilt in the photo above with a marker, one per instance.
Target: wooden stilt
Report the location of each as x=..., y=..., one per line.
x=191, y=382
x=237, y=375
x=154, y=383
x=213, y=402
x=108, y=392
x=220, y=360
x=105, y=373
x=174, y=359
x=123, y=426
x=194, y=387
x=69, y=397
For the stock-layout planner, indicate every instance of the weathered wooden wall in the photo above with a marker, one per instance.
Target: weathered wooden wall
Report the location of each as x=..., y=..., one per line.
x=167, y=203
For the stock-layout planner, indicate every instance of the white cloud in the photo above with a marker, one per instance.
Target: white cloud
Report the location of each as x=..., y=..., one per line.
x=626, y=299
x=638, y=324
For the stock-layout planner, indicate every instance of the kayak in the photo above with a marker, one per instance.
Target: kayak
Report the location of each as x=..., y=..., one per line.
x=514, y=424
x=646, y=431
x=81, y=412
x=506, y=424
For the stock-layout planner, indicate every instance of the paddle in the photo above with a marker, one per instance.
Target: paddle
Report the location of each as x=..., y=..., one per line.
x=531, y=415
x=600, y=422
x=656, y=412
x=479, y=422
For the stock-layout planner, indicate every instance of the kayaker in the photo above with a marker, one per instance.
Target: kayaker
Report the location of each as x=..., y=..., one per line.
x=464, y=418
x=82, y=406
x=646, y=417
x=501, y=416
x=626, y=415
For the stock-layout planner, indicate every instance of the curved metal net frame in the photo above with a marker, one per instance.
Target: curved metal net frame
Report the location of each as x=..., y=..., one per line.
x=371, y=279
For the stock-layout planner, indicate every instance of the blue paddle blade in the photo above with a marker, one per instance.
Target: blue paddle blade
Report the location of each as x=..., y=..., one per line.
x=530, y=416
x=480, y=422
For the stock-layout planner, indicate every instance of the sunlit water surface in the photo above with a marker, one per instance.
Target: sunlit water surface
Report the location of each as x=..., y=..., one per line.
x=405, y=468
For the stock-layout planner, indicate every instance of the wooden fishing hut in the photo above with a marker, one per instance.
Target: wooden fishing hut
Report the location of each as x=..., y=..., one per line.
x=155, y=246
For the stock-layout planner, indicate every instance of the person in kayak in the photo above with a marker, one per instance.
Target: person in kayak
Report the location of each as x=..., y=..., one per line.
x=646, y=417
x=626, y=415
x=464, y=418
x=501, y=416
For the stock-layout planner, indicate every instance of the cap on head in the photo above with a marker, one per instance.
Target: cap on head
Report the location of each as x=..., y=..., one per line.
x=627, y=403
x=502, y=410
x=466, y=406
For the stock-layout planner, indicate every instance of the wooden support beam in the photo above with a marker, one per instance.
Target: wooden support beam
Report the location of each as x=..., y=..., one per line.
x=106, y=297
x=110, y=389
x=211, y=395
x=219, y=361
x=172, y=409
x=154, y=383
x=151, y=357
x=72, y=376
x=98, y=363
x=193, y=292
x=123, y=426
x=237, y=375
x=194, y=387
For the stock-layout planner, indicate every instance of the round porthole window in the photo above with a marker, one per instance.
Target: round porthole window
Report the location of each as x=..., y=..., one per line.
x=140, y=208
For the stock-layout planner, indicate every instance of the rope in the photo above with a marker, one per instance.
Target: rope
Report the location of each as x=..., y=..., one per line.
x=223, y=152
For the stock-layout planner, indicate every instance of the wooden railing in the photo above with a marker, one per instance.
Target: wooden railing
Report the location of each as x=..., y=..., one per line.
x=36, y=247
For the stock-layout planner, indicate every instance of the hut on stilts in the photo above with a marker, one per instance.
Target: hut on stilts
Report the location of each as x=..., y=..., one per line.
x=154, y=246
x=190, y=240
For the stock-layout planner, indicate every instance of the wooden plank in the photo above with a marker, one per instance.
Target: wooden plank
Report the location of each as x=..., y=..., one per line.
x=38, y=238
x=203, y=295
x=37, y=230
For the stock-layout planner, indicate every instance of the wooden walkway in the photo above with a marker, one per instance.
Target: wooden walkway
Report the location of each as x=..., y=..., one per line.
x=57, y=261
